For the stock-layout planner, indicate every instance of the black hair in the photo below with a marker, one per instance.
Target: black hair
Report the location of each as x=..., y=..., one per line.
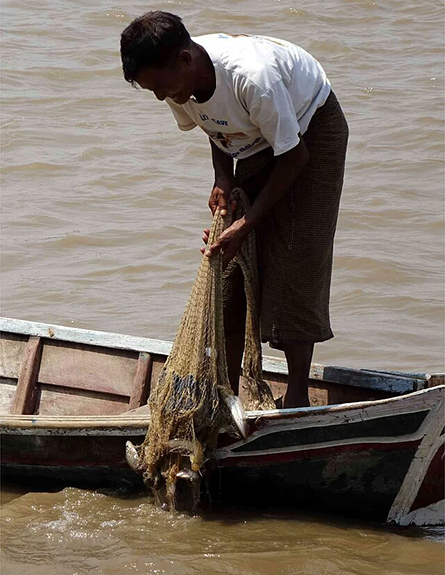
x=150, y=41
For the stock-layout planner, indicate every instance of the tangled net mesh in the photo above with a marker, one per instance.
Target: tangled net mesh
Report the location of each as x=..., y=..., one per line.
x=189, y=404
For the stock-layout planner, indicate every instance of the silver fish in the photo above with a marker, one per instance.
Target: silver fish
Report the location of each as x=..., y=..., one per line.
x=131, y=455
x=188, y=475
x=236, y=408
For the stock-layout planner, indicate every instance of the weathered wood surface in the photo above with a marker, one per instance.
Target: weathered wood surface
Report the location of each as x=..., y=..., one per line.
x=157, y=365
x=314, y=416
x=76, y=335
x=8, y=387
x=71, y=387
x=312, y=450
x=141, y=382
x=433, y=439
x=86, y=372
x=12, y=350
x=60, y=401
x=26, y=392
x=434, y=379
x=87, y=367
x=82, y=424
x=394, y=382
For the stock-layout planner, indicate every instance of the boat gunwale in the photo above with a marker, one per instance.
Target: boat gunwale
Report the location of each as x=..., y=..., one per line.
x=11, y=422
x=391, y=382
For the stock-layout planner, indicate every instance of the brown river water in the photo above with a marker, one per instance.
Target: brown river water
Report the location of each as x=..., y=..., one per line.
x=102, y=205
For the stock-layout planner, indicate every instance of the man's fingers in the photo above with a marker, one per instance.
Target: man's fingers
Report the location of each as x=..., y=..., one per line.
x=213, y=250
x=213, y=203
x=222, y=203
x=205, y=237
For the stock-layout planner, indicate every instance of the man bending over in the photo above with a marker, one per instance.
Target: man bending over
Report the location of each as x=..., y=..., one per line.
x=267, y=104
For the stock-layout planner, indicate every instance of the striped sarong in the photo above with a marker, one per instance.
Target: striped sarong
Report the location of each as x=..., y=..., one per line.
x=295, y=240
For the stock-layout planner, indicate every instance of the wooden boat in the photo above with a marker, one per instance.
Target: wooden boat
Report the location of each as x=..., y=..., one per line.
x=372, y=443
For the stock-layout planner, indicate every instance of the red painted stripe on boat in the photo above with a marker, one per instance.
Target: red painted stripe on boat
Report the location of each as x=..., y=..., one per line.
x=245, y=459
x=315, y=453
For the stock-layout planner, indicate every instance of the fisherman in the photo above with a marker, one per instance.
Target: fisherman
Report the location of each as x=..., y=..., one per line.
x=267, y=104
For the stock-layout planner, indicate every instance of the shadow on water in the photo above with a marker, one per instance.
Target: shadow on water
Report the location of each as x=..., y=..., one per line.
x=234, y=515
x=9, y=492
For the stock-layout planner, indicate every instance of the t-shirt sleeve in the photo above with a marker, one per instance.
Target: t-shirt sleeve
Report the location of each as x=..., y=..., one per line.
x=183, y=120
x=274, y=114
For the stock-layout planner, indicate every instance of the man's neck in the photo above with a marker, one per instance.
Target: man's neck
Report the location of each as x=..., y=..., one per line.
x=205, y=77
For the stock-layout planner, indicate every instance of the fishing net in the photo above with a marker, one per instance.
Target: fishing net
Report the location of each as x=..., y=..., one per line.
x=193, y=400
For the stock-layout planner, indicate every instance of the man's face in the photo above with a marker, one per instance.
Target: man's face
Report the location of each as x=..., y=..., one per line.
x=174, y=81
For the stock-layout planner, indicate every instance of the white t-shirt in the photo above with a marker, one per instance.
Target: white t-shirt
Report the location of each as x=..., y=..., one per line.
x=267, y=90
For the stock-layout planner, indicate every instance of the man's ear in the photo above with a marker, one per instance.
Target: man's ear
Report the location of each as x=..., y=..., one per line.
x=185, y=56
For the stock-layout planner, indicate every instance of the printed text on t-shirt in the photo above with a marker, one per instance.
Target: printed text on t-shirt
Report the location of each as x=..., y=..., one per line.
x=204, y=118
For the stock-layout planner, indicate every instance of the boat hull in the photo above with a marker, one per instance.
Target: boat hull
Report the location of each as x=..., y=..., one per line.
x=359, y=480
x=381, y=460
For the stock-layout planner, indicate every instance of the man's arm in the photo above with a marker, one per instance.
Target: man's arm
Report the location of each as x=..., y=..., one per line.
x=224, y=179
x=286, y=169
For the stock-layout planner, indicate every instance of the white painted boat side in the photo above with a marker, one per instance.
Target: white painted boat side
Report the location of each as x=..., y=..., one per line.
x=349, y=413
x=275, y=419
x=432, y=440
x=430, y=515
x=85, y=336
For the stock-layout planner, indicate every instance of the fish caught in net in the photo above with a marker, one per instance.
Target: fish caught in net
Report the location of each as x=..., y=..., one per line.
x=193, y=401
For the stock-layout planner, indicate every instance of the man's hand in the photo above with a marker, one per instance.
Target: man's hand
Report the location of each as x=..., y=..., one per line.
x=228, y=243
x=220, y=198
